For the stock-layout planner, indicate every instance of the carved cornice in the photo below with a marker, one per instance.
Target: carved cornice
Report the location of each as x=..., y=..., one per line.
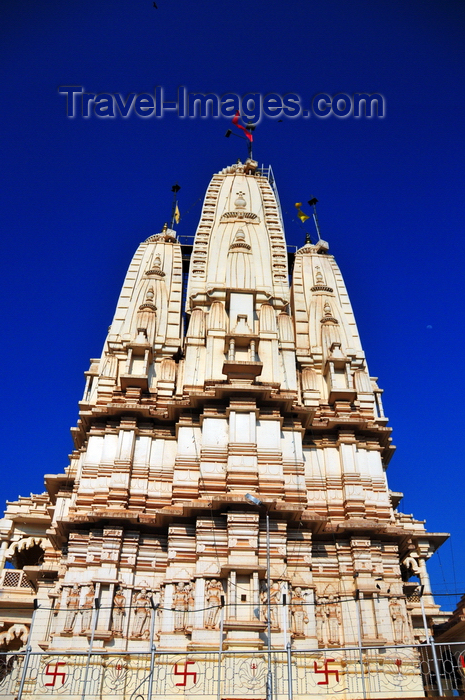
x=240, y=244
x=322, y=288
x=240, y=216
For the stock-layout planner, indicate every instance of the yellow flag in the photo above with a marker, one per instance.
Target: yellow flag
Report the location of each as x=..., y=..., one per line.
x=303, y=217
x=177, y=214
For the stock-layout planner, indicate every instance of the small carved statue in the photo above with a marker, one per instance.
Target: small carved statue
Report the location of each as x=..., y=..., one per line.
x=320, y=617
x=180, y=606
x=334, y=620
x=86, y=611
x=298, y=612
x=142, y=614
x=72, y=605
x=275, y=598
x=119, y=603
x=213, y=600
x=159, y=619
x=411, y=565
x=398, y=620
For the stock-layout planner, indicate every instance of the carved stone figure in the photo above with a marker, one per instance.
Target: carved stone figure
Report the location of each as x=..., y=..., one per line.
x=213, y=600
x=411, y=564
x=398, y=620
x=160, y=611
x=190, y=593
x=86, y=611
x=275, y=598
x=180, y=605
x=72, y=605
x=298, y=612
x=119, y=603
x=334, y=620
x=142, y=607
x=320, y=617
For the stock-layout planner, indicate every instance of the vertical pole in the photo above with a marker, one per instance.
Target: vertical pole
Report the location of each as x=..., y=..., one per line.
x=220, y=647
x=175, y=189
x=430, y=641
x=152, y=647
x=28, y=652
x=359, y=628
x=269, y=677
x=285, y=619
x=91, y=643
x=289, y=671
x=313, y=202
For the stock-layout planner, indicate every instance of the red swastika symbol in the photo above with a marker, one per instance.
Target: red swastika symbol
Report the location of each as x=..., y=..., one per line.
x=55, y=673
x=185, y=673
x=326, y=671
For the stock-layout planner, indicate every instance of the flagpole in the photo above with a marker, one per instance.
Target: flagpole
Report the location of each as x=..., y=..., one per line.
x=175, y=189
x=247, y=131
x=313, y=203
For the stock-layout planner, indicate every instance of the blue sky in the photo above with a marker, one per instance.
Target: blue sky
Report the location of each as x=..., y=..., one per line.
x=78, y=195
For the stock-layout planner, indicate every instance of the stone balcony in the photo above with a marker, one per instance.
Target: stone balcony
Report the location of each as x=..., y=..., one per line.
x=16, y=590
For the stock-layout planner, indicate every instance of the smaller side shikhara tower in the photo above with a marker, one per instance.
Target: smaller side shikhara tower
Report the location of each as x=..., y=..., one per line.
x=213, y=387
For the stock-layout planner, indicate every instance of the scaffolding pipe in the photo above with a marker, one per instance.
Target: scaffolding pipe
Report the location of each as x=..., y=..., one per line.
x=152, y=647
x=91, y=643
x=220, y=648
x=289, y=671
x=430, y=641
x=28, y=652
x=359, y=628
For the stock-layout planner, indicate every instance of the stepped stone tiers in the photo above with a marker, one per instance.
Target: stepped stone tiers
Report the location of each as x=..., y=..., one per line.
x=249, y=386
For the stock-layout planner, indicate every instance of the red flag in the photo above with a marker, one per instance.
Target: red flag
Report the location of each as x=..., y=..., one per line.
x=239, y=126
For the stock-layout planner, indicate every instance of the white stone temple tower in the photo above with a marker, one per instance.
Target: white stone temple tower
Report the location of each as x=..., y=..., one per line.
x=147, y=541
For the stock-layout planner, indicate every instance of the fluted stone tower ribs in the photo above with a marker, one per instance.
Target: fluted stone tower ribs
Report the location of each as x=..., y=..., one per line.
x=268, y=393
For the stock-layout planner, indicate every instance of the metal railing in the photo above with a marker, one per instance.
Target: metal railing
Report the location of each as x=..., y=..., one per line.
x=381, y=671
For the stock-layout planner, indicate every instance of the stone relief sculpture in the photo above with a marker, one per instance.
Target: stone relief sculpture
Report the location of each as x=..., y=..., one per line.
x=320, y=618
x=398, y=620
x=141, y=602
x=180, y=606
x=190, y=594
x=411, y=566
x=298, y=612
x=86, y=611
x=72, y=606
x=117, y=620
x=213, y=603
x=159, y=619
x=333, y=614
x=275, y=599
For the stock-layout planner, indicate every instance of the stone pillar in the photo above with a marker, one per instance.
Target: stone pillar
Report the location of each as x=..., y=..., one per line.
x=232, y=595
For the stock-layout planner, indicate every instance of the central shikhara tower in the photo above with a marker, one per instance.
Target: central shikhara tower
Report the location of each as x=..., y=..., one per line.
x=219, y=379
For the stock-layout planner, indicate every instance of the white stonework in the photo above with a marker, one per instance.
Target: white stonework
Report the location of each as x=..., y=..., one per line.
x=254, y=387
